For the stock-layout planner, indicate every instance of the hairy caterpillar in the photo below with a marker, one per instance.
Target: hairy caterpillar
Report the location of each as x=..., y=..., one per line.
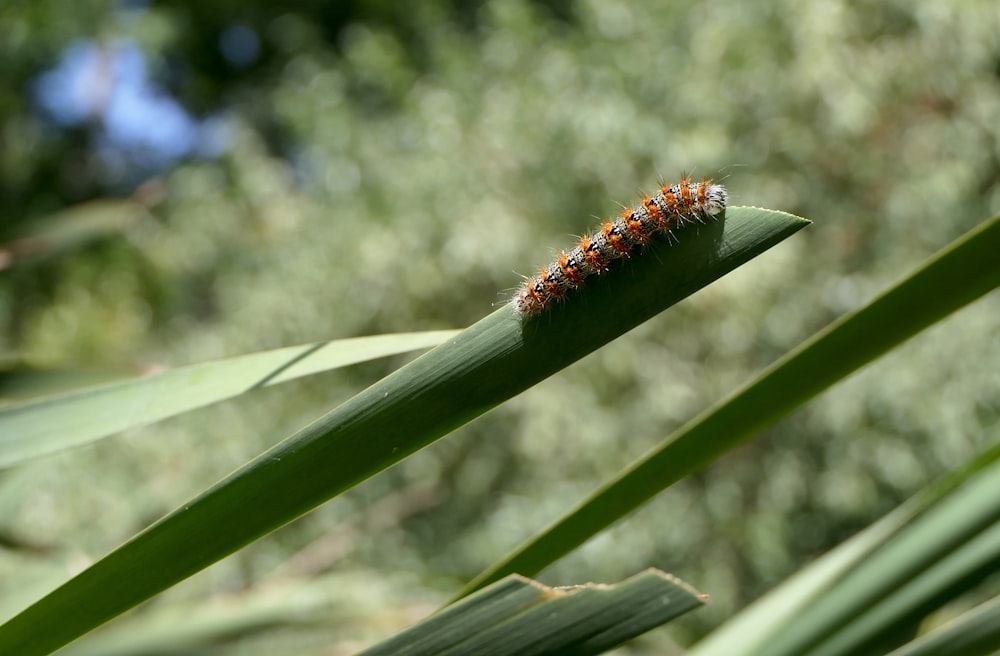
x=673, y=206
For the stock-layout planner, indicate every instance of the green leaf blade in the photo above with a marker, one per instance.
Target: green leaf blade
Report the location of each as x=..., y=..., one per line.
x=471, y=373
x=518, y=617
x=956, y=540
x=40, y=427
x=974, y=633
x=862, y=595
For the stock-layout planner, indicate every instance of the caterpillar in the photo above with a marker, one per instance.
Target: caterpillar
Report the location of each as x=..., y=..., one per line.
x=673, y=206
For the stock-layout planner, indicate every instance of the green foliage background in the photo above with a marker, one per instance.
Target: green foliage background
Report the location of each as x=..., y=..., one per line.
x=392, y=171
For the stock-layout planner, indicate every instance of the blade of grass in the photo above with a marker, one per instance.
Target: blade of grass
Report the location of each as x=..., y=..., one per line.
x=492, y=605
x=646, y=601
x=529, y=618
x=902, y=608
x=587, y=619
x=961, y=273
x=974, y=633
x=957, y=537
x=43, y=426
x=480, y=368
x=751, y=631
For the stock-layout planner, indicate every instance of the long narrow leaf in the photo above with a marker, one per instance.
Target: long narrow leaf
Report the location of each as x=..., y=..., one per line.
x=974, y=633
x=958, y=275
x=492, y=605
x=752, y=631
x=43, y=426
x=958, y=536
x=483, y=366
x=518, y=617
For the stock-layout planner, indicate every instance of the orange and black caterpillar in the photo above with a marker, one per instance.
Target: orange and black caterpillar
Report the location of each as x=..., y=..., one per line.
x=673, y=206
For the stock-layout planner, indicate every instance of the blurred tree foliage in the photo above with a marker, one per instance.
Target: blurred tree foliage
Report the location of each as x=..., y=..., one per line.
x=379, y=169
